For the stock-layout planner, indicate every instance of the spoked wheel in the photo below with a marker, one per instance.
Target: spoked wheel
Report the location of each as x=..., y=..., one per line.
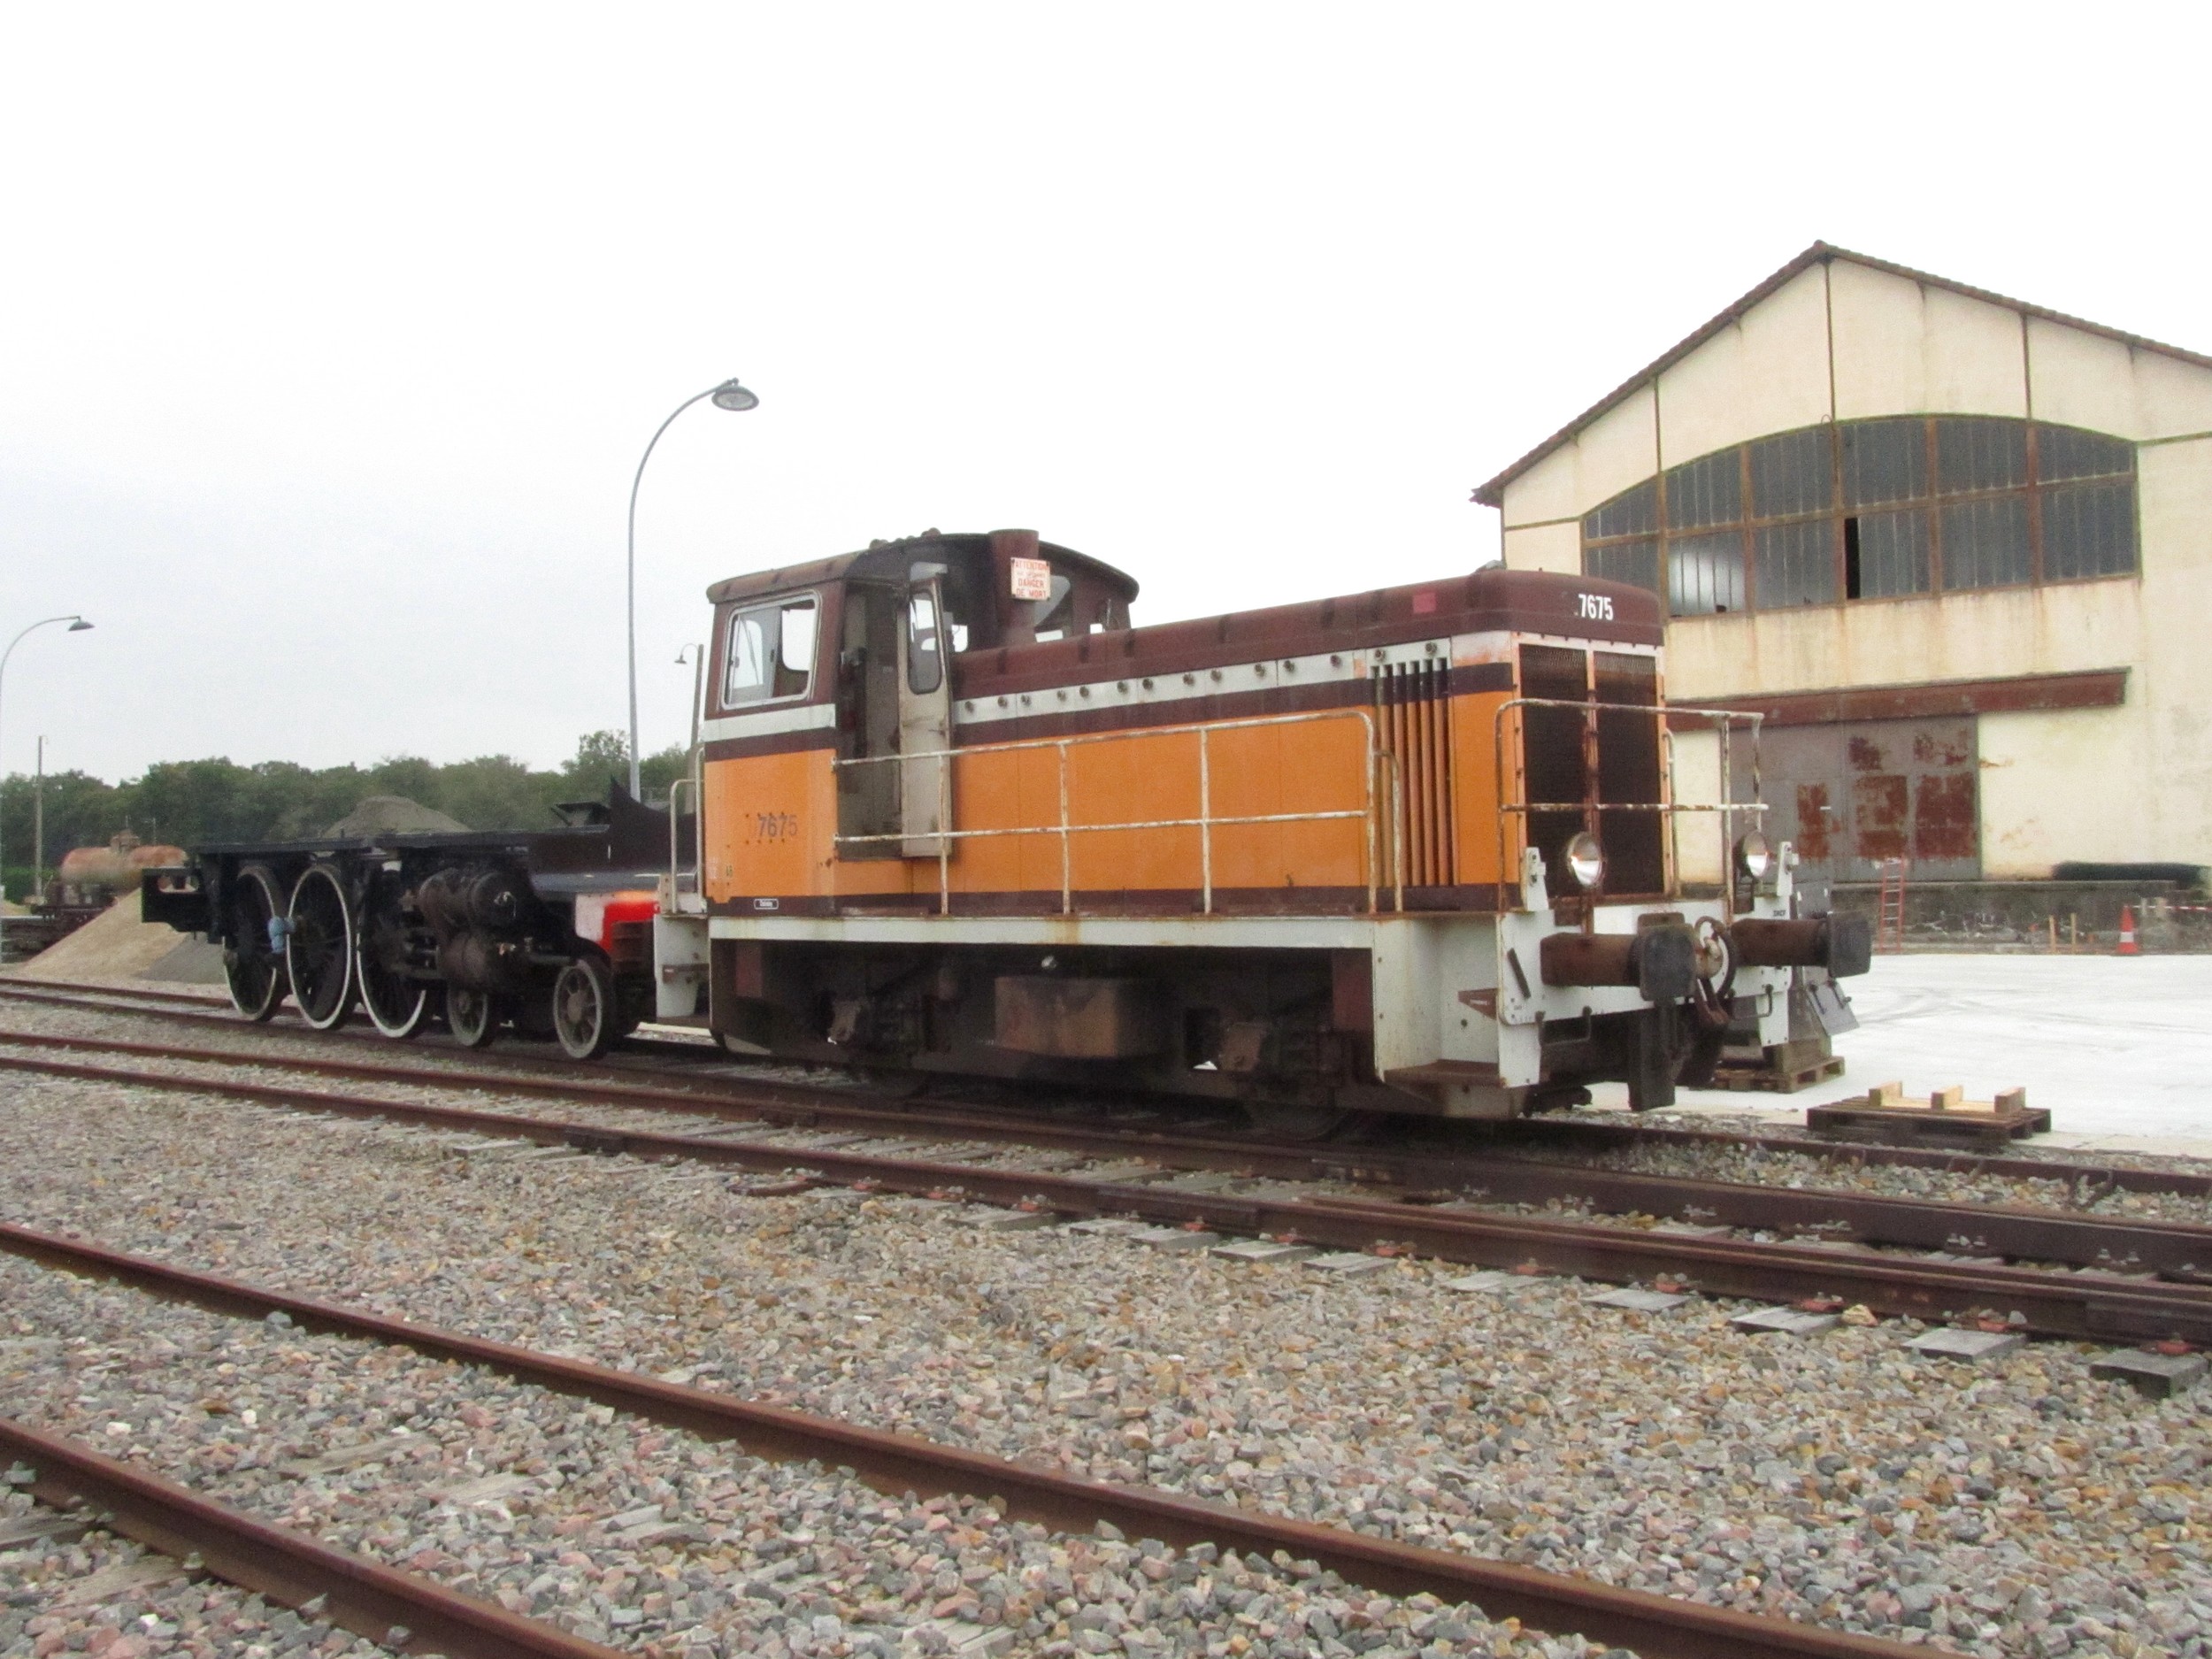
x=251, y=968
x=398, y=1006
x=585, y=1016
x=472, y=1017
x=318, y=953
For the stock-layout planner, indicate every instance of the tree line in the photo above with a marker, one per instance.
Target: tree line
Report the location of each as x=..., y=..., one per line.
x=186, y=802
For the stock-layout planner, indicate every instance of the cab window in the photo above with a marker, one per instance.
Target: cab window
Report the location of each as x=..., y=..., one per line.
x=925, y=644
x=769, y=653
x=1053, y=617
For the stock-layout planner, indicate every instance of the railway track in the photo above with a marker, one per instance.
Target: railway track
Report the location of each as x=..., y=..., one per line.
x=2041, y=1235
x=370, y=1597
x=399, y=1609
x=2092, y=1303
x=1439, y=1151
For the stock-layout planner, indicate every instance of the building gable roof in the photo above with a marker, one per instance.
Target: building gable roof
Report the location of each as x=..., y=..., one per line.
x=1493, y=493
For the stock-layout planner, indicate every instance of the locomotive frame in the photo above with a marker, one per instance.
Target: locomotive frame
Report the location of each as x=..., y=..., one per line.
x=1412, y=850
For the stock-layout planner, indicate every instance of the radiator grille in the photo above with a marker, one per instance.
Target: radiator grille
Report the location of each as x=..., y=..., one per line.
x=1412, y=704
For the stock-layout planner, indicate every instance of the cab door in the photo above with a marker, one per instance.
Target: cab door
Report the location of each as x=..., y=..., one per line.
x=870, y=673
x=925, y=720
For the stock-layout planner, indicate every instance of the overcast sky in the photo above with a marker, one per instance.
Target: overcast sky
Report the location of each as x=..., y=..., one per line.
x=330, y=338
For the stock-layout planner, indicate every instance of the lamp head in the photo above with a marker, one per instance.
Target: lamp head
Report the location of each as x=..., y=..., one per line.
x=78, y=625
x=735, y=397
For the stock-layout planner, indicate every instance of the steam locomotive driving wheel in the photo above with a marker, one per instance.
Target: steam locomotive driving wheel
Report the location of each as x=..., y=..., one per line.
x=252, y=967
x=319, y=948
x=398, y=1005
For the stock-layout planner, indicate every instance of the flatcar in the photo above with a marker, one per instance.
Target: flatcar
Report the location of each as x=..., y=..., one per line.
x=1412, y=850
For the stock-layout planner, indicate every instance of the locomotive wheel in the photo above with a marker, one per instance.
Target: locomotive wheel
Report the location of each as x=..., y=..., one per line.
x=472, y=1017
x=318, y=954
x=585, y=1016
x=250, y=969
x=398, y=1006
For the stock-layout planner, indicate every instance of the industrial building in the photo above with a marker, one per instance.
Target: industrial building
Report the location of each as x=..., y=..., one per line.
x=1955, y=549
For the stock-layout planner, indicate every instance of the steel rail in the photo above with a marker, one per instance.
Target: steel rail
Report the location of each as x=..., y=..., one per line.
x=2087, y=1306
x=1656, y=1625
x=827, y=1105
x=2021, y=1231
x=362, y=1595
x=86, y=987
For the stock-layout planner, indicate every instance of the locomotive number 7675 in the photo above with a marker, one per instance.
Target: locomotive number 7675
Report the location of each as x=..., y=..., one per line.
x=1594, y=607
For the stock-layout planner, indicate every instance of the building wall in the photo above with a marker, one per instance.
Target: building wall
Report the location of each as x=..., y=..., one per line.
x=1846, y=341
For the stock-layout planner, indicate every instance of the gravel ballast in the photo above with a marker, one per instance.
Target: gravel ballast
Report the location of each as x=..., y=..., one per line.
x=620, y=1531
x=2015, y=1507
x=1718, y=1158
x=83, y=1590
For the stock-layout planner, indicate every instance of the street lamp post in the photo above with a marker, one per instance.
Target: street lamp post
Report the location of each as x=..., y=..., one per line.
x=77, y=624
x=735, y=398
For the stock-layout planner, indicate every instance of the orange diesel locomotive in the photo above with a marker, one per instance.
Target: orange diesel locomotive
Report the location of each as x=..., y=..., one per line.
x=1411, y=850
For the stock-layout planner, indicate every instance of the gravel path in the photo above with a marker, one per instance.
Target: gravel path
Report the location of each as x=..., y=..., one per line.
x=623, y=1532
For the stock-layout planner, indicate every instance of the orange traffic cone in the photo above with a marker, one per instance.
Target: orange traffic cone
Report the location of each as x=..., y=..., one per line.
x=2128, y=947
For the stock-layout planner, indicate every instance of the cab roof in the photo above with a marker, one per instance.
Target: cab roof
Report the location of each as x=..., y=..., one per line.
x=890, y=561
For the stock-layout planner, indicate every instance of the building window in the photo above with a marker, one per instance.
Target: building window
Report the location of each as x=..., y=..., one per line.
x=1873, y=510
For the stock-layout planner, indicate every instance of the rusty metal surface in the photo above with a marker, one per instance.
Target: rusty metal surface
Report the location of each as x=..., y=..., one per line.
x=364, y=1596
x=1588, y=959
x=1851, y=797
x=2011, y=694
x=1763, y=942
x=2083, y=1306
x=1079, y=1018
x=1656, y=1625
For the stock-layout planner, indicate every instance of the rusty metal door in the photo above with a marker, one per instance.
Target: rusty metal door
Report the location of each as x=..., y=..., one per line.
x=1851, y=797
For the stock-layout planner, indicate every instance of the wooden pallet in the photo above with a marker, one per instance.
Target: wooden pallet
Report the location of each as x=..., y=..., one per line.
x=1948, y=1119
x=1776, y=1079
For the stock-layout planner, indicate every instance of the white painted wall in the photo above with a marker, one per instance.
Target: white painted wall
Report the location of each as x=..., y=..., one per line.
x=1904, y=348
x=1618, y=449
x=2083, y=380
x=1767, y=373
x=1546, y=547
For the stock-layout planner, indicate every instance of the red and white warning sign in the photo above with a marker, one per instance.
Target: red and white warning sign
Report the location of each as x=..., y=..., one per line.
x=1033, y=578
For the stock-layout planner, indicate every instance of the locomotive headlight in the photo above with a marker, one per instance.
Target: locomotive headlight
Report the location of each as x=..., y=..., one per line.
x=1753, y=855
x=1586, y=861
